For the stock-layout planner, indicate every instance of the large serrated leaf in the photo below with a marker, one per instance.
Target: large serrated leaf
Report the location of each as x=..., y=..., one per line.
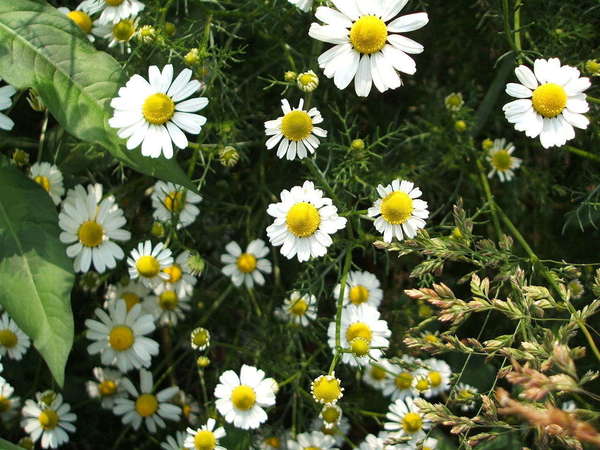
x=36, y=276
x=43, y=49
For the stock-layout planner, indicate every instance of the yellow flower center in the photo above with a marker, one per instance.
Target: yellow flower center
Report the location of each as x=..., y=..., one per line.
x=246, y=262
x=359, y=329
x=158, y=109
x=186, y=410
x=146, y=405
x=175, y=201
x=82, y=20
x=243, y=397
x=368, y=34
x=396, y=207
x=131, y=299
x=175, y=273
x=43, y=182
x=4, y=404
x=330, y=414
x=168, y=300
x=122, y=32
x=296, y=125
x=412, y=422
x=205, y=440
x=501, y=160
x=359, y=294
x=311, y=448
x=200, y=337
x=403, y=380
x=549, y=100
x=147, y=266
x=121, y=337
x=113, y=2
x=48, y=419
x=465, y=394
x=359, y=346
x=378, y=373
x=91, y=233
x=8, y=338
x=273, y=442
x=307, y=78
x=422, y=384
x=435, y=378
x=327, y=390
x=432, y=338
x=107, y=387
x=303, y=219
x=299, y=308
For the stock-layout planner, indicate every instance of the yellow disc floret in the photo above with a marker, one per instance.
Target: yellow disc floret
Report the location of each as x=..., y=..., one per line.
x=359, y=346
x=368, y=34
x=175, y=201
x=331, y=414
x=501, y=160
x=299, y=307
x=326, y=389
x=121, y=337
x=412, y=422
x=549, y=100
x=359, y=329
x=158, y=109
x=131, y=299
x=43, y=182
x=273, y=441
x=82, y=20
x=303, y=219
x=146, y=405
x=147, y=266
x=168, y=300
x=205, y=440
x=90, y=233
x=378, y=373
x=358, y=294
x=296, y=125
x=243, y=397
x=435, y=378
x=107, y=387
x=8, y=338
x=124, y=30
x=422, y=384
x=246, y=262
x=396, y=207
x=4, y=404
x=403, y=380
x=113, y=2
x=175, y=273
x=48, y=419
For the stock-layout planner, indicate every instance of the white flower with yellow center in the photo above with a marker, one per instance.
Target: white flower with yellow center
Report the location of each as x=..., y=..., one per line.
x=295, y=131
x=336, y=431
x=206, y=437
x=9, y=403
x=112, y=10
x=107, y=386
x=246, y=267
x=168, y=304
x=466, y=395
x=401, y=381
x=50, y=178
x=298, y=309
x=241, y=400
x=190, y=408
x=438, y=374
x=303, y=5
x=49, y=419
x=304, y=221
x=399, y=210
x=13, y=342
x=132, y=293
x=149, y=264
x=367, y=48
x=147, y=406
x=200, y=339
x=174, y=442
x=120, y=33
x=307, y=81
x=406, y=419
x=330, y=416
x=154, y=113
x=501, y=159
x=6, y=92
x=180, y=275
x=174, y=204
x=90, y=228
x=363, y=333
x=373, y=442
x=81, y=19
x=327, y=389
x=120, y=337
x=378, y=373
x=314, y=440
x=550, y=102
x=361, y=288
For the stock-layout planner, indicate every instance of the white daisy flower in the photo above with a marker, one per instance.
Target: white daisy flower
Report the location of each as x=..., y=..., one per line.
x=90, y=228
x=246, y=267
x=401, y=212
x=298, y=309
x=120, y=33
x=295, y=131
x=132, y=293
x=406, y=419
x=378, y=374
x=361, y=288
x=174, y=442
x=149, y=264
x=307, y=81
x=438, y=375
x=50, y=178
x=366, y=47
x=107, y=386
x=190, y=408
x=167, y=305
x=336, y=431
x=181, y=278
x=49, y=419
x=329, y=417
x=145, y=405
x=112, y=10
x=174, y=204
x=312, y=440
x=401, y=381
x=6, y=92
x=304, y=221
x=9, y=403
x=205, y=438
x=501, y=159
x=372, y=442
x=200, y=339
x=13, y=342
x=303, y=5
x=120, y=337
x=81, y=19
x=241, y=400
x=153, y=113
x=466, y=395
x=363, y=332
x=550, y=102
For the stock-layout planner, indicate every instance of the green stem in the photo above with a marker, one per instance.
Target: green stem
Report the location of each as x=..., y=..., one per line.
x=507, y=29
x=593, y=99
x=583, y=153
x=517, y=23
x=489, y=198
x=339, y=307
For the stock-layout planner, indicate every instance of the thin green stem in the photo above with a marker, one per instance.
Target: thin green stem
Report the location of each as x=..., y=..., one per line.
x=593, y=99
x=583, y=153
x=517, y=24
x=489, y=198
x=339, y=307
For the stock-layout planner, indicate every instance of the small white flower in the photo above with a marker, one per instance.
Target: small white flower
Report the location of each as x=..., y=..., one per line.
x=190, y=408
x=174, y=442
x=361, y=288
x=466, y=395
x=304, y=221
x=200, y=339
x=295, y=131
x=438, y=375
x=205, y=437
x=112, y=10
x=378, y=373
x=406, y=419
x=149, y=264
x=119, y=34
x=401, y=381
x=107, y=386
x=246, y=267
x=6, y=92
x=13, y=342
x=314, y=439
x=9, y=403
x=337, y=431
x=372, y=442
x=145, y=405
x=298, y=309
x=180, y=275
x=307, y=81
x=303, y=5
x=401, y=212
x=501, y=159
x=49, y=419
x=132, y=293
x=175, y=204
x=167, y=305
x=50, y=178
x=81, y=19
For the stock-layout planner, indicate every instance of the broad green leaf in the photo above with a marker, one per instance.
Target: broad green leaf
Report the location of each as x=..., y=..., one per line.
x=36, y=276
x=42, y=48
x=5, y=445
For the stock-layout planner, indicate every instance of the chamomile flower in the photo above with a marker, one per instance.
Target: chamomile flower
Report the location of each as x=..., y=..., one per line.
x=399, y=210
x=466, y=395
x=550, y=102
x=406, y=419
x=304, y=221
x=363, y=332
x=361, y=288
x=337, y=431
x=174, y=442
x=81, y=19
x=107, y=386
x=149, y=264
x=272, y=441
x=372, y=442
x=6, y=92
x=330, y=416
x=454, y=102
x=246, y=267
x=120, y=33
x=378, y=373
x=167, y=305
x=112, y=11
x=575, y=288
x=9, y=403
x=132, y=293
x=298, y=309
x=366, y=46
x=145, y=405
x=303, y=5
x=154, y=113
x=501, y=159
x=326, y=389
x=401, y=381
x=48, y=418
x=189, y=407
x=13, y=342
x=91, y=227
x=205, y=438
x=200, y=338
x=175, y=204
x=241, y=399
x=181, y=277
x=307, y=81
x=312, y=440
x=120, y=336
x=438, y=375
x=295, y=131
x=50, y=178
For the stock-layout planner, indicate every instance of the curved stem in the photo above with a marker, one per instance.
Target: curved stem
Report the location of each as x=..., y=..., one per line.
x=339, y=307
x=583, y=153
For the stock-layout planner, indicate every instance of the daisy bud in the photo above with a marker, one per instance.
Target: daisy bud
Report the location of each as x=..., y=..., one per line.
x=357, y=145
x=192, y=57
x=158, y=229
x=196, y=264
x=487, y=144
x=170, y=28
x=460, y=126
x=202, y=362
x=147, y=34
x=307, y=81
x=454, y=102
x=592, y=66
x=20, y=157
x=290, y=76
x=228, y=156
